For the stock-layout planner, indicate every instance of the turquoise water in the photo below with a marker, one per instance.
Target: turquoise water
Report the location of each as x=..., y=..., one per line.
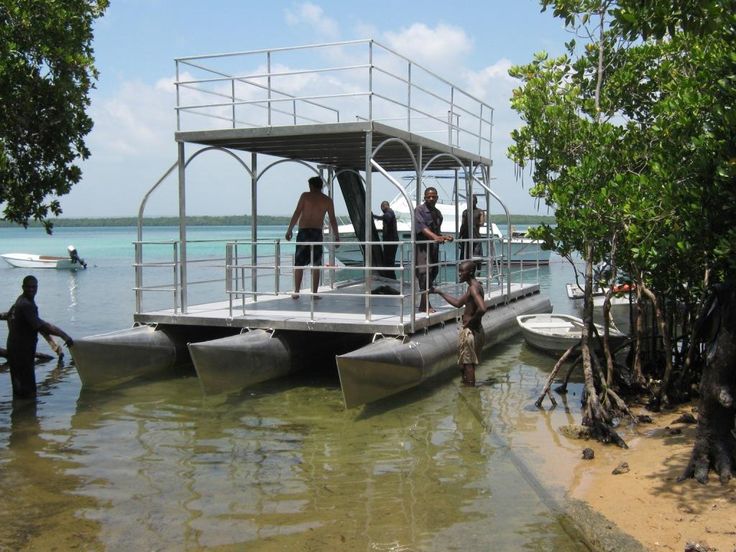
x=157, y=466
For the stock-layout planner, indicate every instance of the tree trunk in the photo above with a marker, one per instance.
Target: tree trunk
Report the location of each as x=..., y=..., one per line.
x=638, y=336
x=550, y=379
x=595, y=415
x=666, y=345
x=715, y=438
x=607, y=316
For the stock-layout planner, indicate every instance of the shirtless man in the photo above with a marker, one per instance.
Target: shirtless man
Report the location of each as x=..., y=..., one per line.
x=470, y=338
x=310, y=214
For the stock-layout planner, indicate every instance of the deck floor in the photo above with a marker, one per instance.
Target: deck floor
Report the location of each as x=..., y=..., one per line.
x=338, y=310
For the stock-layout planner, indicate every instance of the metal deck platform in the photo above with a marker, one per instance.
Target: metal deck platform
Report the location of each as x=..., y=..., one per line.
x=340, y=145
x=340, y=310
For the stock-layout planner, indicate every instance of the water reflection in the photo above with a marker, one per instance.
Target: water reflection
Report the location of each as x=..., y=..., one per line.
x=72, y=308
x=289, y=468
x=36, y=484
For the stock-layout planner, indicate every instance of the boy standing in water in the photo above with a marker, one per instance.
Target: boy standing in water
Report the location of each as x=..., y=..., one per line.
x=470, y=338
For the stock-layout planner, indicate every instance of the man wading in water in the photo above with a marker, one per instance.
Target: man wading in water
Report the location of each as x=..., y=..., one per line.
x=470, y=338
x=310, y=214
x=24, y=325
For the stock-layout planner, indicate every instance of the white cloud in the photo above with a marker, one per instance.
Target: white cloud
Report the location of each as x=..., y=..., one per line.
x=138, y=119
x=492, y=81
x=434, y=47
x=313, y=15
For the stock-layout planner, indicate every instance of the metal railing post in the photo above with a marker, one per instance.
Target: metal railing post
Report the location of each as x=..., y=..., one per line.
x=480, y=131
x=254, y=223
x=268, y=70
x=176, y=277
x=450, y=116
x=138, y=277
x=370, y=80
x=232, y=83
x=277, y=266
x=408, y=98
x=229, y=276
x=183, y=228
x=178, y=98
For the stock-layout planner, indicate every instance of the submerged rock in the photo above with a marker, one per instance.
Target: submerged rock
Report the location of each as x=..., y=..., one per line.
x=686, y=418
x=574, y=431
x=588, y=454
x=623, y=467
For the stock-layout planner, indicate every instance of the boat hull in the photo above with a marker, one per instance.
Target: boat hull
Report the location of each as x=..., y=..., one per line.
x=234, y=363
x=117, y=357
x=389, y=366
x=557, y=333
x=239, y=361
x=141, y=352
x=24, y=260
x=528, y=252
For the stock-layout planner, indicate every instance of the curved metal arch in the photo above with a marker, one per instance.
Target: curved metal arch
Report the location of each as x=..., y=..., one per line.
x=218, y=148
x=406, y=147
x=280, y=161
x=508, y=225
x=451, y=156
x=144, y=201
x=353, y=171
x=142, y=206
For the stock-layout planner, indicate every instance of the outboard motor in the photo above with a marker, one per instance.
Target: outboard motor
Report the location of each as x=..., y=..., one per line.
x=74, y=256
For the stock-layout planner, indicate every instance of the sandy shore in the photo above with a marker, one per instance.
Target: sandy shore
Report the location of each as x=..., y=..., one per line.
x=647, y=502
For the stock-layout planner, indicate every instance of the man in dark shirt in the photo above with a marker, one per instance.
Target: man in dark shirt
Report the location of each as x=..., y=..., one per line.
x=24, y=325
x=478, y=221
x=428, y=223
x=390, y=234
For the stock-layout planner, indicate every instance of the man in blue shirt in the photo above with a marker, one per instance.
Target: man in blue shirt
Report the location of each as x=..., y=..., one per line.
x=428, y=223
x=24, y=325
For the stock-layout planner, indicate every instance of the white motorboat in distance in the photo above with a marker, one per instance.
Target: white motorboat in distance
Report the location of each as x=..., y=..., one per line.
x=30, y=260
x=555, y=333
x=523, y=249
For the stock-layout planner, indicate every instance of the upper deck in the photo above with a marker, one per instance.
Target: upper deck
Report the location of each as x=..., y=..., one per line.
x=319, y=103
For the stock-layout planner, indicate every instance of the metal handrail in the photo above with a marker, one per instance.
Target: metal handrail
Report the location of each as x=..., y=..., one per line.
x=239, y=281
x=419, y=81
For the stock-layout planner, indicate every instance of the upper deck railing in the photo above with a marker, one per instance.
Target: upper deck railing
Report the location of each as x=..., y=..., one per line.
x=351, y=81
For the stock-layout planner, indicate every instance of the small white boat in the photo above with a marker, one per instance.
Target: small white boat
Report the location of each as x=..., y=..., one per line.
x=555, y=333
x=29, y=260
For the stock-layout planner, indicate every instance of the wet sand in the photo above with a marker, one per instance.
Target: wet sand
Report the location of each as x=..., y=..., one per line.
x=648, y=503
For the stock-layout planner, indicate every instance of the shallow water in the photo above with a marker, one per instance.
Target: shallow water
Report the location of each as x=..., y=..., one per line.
x=283, y=466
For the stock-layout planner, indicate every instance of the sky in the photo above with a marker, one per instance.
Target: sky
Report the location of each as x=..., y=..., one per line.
x=471, y=43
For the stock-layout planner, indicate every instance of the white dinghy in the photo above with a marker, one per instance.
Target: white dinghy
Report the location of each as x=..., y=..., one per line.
x=555, y=333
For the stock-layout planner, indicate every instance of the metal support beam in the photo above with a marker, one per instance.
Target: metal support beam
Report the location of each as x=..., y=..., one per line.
x=182, y=228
